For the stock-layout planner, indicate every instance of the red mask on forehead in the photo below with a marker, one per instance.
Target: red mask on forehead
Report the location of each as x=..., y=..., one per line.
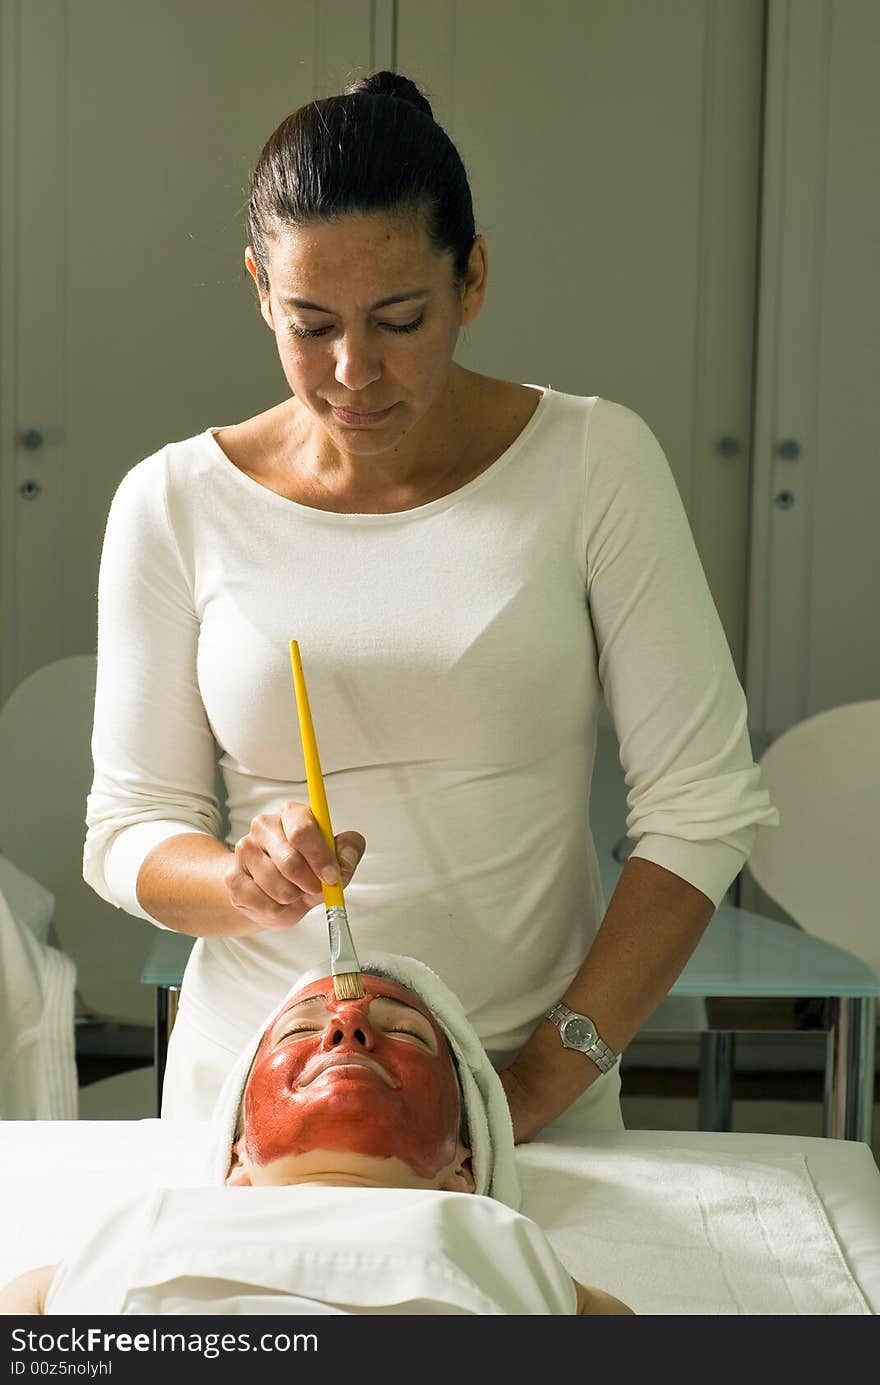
x=395, y=1098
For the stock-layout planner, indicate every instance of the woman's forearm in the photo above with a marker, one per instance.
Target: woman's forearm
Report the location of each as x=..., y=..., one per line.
x=652, y=925
x=273, y=877
x=181, y=883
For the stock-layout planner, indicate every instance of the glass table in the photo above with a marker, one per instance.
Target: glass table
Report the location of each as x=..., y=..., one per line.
x=741, y=955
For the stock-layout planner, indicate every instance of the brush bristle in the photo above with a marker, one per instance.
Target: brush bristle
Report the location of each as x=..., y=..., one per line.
x=347, y=985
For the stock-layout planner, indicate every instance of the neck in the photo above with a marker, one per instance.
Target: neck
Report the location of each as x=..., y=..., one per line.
x=424, y=461
x=340, y=1169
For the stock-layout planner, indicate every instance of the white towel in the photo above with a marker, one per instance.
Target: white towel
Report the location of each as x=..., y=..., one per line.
x=688, y=1231
x=483, y=1097
x=37, y=983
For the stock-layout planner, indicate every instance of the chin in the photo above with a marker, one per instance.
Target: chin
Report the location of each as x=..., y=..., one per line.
x=364, y=442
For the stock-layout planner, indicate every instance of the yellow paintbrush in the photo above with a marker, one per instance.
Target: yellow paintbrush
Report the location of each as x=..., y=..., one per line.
x=344, y=965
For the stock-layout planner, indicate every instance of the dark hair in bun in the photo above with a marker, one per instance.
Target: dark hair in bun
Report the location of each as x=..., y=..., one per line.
x=391, y=84
x=375, y=148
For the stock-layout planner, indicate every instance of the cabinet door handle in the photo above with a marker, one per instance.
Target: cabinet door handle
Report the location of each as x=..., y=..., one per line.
x=789, y=449
x=31, y=438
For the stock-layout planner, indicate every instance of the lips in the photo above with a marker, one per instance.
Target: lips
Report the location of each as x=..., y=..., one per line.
x=359, y=415
x=324, y=1061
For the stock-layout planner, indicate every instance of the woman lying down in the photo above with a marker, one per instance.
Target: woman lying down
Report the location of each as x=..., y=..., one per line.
x=374, y=1141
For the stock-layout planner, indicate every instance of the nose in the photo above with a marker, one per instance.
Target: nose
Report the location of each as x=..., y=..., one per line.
x=357, y=362
x=349, y=1024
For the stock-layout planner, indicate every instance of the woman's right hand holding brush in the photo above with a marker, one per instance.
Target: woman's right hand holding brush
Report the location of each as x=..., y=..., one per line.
x=275, y=871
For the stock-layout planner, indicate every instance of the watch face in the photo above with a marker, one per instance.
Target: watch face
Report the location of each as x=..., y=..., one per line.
x=578, y=1033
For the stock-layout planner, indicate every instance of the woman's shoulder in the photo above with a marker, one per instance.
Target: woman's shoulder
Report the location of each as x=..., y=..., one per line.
x=173, y=468
x=171, y=479
x=605, y=418
x=254, y=443
x=614, y=435
x=621, y=441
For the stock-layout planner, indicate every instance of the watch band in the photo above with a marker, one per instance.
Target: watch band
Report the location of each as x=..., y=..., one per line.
x=603, y=1056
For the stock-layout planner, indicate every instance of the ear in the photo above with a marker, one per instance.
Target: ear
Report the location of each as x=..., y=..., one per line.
x=459, y=1177
x=250, y=264
x=475, y=282
x=239, y=1174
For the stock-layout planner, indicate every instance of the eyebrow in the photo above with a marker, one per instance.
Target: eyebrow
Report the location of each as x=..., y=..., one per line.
x=383, y=302
x=392, y=1000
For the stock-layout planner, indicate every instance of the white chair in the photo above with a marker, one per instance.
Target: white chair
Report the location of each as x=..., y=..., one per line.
x=820, y=863
x=45, y=777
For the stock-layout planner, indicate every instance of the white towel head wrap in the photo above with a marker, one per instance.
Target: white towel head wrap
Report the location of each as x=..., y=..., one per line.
x=484, y=1103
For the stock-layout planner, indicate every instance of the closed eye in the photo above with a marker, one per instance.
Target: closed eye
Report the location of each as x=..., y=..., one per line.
x=390, y=326
x=410, y=1034
x=301, y=1031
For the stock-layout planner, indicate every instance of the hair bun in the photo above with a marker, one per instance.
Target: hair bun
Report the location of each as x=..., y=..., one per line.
x=387, y=83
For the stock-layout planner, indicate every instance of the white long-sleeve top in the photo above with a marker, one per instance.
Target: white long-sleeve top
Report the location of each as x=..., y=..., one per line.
x=456, y=656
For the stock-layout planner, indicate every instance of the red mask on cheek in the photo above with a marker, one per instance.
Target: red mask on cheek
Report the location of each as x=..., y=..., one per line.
x=351, y=1086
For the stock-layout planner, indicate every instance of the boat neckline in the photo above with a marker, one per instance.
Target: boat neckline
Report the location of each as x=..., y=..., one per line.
x=414, y=511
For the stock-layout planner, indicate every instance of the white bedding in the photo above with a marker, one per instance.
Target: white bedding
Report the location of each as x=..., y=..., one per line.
x=37, y=984
x=672, y=1222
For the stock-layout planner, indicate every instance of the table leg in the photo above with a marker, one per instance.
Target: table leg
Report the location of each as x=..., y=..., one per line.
x=160, y=1043
x=716, y=1081
x=849, y=1070
x=166, y=1013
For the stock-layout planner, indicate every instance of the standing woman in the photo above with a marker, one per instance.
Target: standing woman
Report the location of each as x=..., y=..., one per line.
x=469, y=564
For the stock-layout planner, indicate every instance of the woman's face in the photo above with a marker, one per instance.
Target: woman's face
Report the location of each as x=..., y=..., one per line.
x=352, y=348
x=371, y=1077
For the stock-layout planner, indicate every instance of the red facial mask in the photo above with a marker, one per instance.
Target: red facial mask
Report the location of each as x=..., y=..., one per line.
x=351, y=1083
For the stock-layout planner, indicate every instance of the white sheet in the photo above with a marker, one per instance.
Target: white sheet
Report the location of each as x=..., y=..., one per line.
x=604, y=1207
x=220, y=1250
x=37, y=984
x=673, y=1229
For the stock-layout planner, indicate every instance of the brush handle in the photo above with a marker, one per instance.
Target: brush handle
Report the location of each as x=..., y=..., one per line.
x=314, y=778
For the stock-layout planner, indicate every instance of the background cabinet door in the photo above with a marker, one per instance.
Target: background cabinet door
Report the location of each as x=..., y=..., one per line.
x=128, y=136
x=614, y=155
x=613, y=152
x=813, y=624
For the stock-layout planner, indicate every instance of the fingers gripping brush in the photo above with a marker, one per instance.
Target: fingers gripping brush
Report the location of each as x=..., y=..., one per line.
x=344, y=965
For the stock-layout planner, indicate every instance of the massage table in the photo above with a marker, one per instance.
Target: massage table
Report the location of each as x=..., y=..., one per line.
x=671, y=1222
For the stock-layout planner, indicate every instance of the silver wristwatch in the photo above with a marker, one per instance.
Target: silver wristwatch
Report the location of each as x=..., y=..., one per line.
x=579, y=1031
